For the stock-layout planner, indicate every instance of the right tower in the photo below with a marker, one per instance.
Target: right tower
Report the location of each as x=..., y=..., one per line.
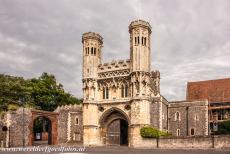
x=140, y=46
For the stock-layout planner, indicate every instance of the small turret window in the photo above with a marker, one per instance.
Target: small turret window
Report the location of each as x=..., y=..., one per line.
x=142, y=40
x=86, y=51
x=145, y=41
x=135, y=40
x=94, y=52
x=138, y=40
x=91, y=50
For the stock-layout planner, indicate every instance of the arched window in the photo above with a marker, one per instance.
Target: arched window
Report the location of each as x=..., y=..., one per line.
x=177, y=116
x=126, y=91
x=91, y=50
x=178, y=132
x=122, y=91
x=138, y=40
x=106, y=93
x=142, y=40
x=192, y=131
x=145, y=41
x=86, y=51
x=76, y=120
x=94, y=51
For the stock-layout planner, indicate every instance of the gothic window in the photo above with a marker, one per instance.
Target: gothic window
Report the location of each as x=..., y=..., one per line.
x=145, y=41
x=135, y=40
x=106, y=93
x=103, y=93
x=178, y=132
x=177, y=116
x=86, y=51
x=138, y=40
x=192, y=131
x=142, y=40
x=76, y=120
x=124, y=91
x=91, y=50
x=94, y=51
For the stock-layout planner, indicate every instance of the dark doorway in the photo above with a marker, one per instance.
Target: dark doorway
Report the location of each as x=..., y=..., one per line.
x=42, y=130
x=117, y=132
x=124, y=132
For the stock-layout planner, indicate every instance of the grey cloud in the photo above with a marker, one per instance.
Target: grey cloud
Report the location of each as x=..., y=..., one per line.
x=190, y=39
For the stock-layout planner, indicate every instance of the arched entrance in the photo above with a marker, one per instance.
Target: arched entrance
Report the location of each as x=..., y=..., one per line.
x=114, y=127
x=42, y=130
x=43, y=127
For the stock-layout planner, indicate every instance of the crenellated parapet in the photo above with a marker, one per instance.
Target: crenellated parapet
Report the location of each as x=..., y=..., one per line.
x=140, y=23
x=92, y=35
x=114, y=65
x=69, y=107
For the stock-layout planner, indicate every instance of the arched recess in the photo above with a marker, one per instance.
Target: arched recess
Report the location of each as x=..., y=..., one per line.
x=51, y=117
x=114, y=127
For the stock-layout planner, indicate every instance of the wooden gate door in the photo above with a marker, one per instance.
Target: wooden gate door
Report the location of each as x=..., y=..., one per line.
x=113, y=133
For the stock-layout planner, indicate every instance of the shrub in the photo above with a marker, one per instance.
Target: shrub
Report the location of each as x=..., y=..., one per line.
x=224, y=128
x=12, y=107
x=150, y=132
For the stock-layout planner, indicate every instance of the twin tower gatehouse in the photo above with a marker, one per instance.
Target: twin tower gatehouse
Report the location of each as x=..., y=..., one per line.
x=122, y=96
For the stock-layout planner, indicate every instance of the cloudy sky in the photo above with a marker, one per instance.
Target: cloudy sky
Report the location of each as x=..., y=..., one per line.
x=190, y=39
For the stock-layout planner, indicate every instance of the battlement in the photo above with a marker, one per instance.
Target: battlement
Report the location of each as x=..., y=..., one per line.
x=68, y=107
x=114, y=65
x=139, y=23
x=92, y=35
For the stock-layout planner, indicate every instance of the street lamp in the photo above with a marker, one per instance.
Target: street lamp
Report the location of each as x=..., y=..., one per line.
x=21, y=102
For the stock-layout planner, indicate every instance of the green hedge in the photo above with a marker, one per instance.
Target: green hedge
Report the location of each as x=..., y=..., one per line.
x=150, y=132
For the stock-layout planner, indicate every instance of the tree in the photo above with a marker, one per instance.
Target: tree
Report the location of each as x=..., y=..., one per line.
x=40, y=93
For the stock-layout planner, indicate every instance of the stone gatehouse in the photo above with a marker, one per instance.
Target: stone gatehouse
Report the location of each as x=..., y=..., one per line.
x=119, y=98
x=122, y=96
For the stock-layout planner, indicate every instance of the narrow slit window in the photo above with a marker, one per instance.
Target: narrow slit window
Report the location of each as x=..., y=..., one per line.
x=91, y=50
x=192, y=132
x=94, y=51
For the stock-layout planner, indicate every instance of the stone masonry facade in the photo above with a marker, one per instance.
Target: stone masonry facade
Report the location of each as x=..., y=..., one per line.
x=119, y=98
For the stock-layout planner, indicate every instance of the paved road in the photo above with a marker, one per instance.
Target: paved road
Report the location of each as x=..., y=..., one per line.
x=126, y=150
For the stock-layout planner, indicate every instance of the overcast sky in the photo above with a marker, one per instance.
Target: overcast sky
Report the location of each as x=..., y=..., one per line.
x=190, y=39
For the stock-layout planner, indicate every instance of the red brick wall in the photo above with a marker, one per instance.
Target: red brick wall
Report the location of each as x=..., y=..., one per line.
x=213, y=90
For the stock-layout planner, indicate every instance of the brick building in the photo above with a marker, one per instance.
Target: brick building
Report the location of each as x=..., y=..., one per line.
x=217, y=92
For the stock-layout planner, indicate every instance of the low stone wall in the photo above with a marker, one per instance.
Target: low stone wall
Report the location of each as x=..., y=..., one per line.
x=197, y=142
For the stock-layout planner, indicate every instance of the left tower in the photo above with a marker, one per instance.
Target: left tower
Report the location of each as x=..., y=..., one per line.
x=92, y=45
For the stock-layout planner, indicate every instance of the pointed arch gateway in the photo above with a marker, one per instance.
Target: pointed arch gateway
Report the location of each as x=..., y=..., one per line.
x=114, y=125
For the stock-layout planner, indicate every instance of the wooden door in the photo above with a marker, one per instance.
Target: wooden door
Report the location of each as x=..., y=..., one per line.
x=113, y=133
